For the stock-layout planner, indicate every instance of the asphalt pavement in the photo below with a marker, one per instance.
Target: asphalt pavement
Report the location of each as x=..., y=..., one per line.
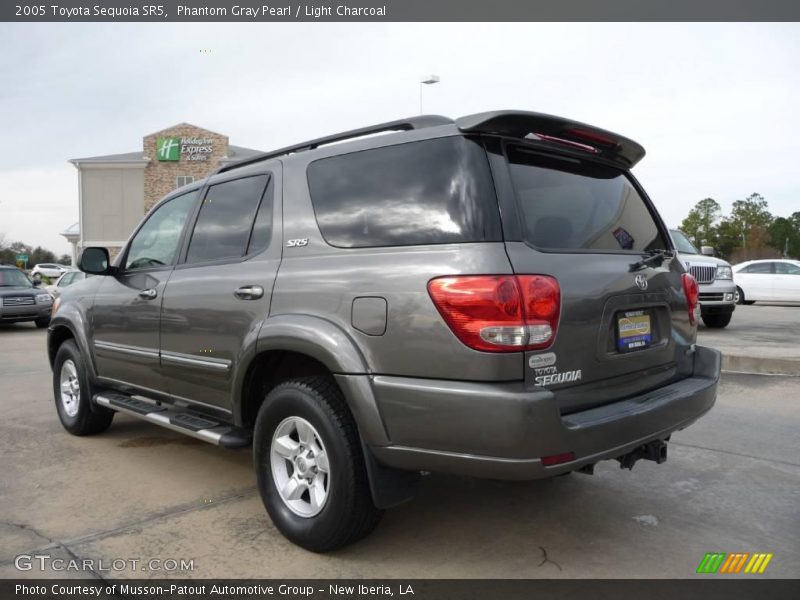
x=140, y=492
x=761, y=338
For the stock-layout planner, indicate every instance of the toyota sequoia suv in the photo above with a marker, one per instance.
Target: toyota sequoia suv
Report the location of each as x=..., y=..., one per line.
x=492, y=296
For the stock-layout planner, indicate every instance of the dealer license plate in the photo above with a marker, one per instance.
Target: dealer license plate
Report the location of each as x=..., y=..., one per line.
x=633, y=331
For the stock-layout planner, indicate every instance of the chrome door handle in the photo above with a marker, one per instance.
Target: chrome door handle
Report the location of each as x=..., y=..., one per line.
x=249, y=292
x=148, y=294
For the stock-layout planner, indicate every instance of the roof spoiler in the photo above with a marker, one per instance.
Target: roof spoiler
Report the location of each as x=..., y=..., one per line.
x=600, y=142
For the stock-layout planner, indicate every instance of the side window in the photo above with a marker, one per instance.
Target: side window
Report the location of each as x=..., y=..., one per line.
x=262, y=228
x=436, y=191
x=760, y=268
x=156, y=243
x=226, y=219
x=66, y=280
x=787, y=269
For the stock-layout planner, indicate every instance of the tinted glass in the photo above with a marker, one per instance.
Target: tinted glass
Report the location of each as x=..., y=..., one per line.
x=156, y=243
x=14, y=278
x=225, y=220
x=787, y=268
x=568, y=204
x=432, y=192
x=682, y=243
x=759, y=268
x=262, y=228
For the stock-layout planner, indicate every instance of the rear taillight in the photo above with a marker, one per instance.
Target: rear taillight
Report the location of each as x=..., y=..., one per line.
x=499, y=313
x=692, y=292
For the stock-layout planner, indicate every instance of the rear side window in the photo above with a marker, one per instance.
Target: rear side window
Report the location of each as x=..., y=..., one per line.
x=431, y=192
x=758, y=268
x=568, y=204
x=226, y=219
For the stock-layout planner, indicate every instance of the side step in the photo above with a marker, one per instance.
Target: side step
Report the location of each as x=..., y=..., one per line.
x=184, y=421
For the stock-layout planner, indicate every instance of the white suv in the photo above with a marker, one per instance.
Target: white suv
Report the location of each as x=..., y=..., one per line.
x=49, y=270
x=715, y=278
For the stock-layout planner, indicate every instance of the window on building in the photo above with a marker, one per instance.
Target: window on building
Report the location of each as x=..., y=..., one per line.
x=182, y=180
x=226, y=219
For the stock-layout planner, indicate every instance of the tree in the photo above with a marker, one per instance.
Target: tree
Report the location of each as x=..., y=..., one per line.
x=784, y=235
x=700, y=223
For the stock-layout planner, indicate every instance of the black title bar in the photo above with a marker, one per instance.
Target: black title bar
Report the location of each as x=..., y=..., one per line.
x=397, y=10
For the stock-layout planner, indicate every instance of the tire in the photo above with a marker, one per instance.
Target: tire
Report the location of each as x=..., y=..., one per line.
x=42, y=323
x=717, y=321
x=343, y=511
x=739, y=297
x=75, y=409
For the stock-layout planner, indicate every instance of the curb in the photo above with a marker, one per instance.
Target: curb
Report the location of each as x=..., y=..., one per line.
x=755, y=364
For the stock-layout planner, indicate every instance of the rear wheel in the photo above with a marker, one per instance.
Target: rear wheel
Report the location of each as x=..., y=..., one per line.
x=73, y=394
x=717, y=321
x=310, y=468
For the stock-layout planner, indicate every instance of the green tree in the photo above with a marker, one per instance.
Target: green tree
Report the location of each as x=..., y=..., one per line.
x=700, y=224
x=784, y=235
x=750, y=213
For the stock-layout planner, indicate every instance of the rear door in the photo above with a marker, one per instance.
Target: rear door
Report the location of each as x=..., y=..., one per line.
x=219, y=294
x=624, y=326
x=787, y=282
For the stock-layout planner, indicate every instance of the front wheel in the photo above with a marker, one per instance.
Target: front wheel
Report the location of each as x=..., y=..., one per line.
x=310, y=467
x=73, y=394
x=42, y=322
x=717, y=321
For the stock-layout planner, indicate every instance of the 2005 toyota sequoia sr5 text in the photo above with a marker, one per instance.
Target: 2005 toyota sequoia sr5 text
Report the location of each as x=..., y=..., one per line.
x=493, y=296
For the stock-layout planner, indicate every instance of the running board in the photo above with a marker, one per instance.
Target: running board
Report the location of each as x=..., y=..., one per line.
x=192, y=424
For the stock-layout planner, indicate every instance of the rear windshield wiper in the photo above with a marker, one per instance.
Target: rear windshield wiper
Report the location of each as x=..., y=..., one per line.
x=652, y=256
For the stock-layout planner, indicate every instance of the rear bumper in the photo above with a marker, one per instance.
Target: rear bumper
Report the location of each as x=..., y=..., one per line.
x=465, y=428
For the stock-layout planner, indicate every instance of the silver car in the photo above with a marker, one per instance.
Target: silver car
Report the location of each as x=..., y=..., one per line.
x=715, y=278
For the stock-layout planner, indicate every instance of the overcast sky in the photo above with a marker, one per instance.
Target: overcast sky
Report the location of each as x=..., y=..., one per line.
x=715, y=105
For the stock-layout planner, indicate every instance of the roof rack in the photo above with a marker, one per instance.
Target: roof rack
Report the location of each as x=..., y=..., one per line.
x=409, y=124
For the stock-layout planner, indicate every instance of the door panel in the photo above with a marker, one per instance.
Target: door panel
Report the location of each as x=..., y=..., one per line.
x=127, y=307
x=212, y=308
x=126, y=328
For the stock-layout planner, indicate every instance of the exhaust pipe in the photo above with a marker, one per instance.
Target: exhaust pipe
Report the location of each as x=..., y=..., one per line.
x=655, y=451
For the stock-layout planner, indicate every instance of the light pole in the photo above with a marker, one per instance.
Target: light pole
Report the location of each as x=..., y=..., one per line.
x=429, y=80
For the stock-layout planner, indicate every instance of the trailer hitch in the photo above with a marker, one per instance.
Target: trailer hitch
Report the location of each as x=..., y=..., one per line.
x=655, y=451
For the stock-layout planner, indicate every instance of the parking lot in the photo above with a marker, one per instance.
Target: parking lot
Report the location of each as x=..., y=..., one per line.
x=731, y=484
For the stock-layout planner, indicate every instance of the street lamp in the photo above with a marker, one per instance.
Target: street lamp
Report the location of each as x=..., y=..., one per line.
x=429, y=80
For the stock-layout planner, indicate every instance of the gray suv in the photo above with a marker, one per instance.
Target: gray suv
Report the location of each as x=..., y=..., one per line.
x=492, y=296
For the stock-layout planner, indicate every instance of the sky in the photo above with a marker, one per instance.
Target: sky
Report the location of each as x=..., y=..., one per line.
x=715, y=105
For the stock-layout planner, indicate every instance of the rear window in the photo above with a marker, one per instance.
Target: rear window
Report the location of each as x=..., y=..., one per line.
x=568, y=204
x=431, y=192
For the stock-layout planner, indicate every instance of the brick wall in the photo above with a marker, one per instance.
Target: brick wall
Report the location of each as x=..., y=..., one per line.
x=160, y=176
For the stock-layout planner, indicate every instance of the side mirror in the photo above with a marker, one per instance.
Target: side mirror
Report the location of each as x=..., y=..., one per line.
x=707, y=250
x=94, y=261
x=37, y=283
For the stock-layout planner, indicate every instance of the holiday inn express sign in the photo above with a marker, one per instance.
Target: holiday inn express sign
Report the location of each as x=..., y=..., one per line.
x=188, y=148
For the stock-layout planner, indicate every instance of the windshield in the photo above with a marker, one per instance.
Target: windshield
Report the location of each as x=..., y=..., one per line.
x=682, y=243
x=569, y=204
x=14, y=278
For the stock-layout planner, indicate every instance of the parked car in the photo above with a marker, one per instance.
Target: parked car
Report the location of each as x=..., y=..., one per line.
x=771, y=280
x=21, y=300
x=49, y=270
x=715, y=278
x=493, y=296
x=68, y=278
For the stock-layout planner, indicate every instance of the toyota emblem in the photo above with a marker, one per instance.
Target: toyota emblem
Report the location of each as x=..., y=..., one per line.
x=641, y=282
